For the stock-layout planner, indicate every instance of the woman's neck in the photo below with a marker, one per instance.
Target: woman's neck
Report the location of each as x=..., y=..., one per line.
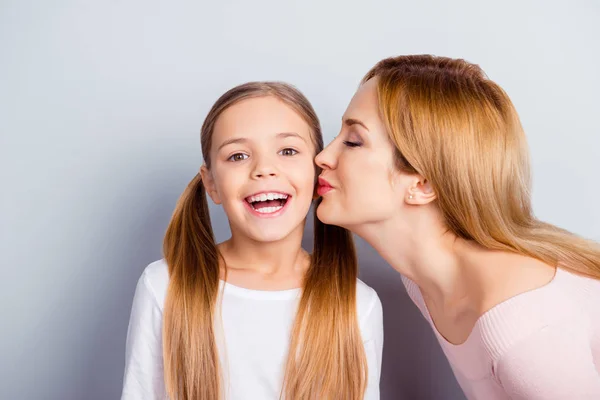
x=421, y=248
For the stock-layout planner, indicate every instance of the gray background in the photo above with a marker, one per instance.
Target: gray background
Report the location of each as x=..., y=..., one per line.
x=101, y=104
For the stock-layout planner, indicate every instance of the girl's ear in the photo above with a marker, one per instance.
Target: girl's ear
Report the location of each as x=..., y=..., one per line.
x=209, y=184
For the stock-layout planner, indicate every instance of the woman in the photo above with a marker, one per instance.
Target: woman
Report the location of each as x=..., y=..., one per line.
x=431, y=168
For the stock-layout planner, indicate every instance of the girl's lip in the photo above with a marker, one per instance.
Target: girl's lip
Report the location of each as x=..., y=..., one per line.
x=268, y=191
x=268, y=215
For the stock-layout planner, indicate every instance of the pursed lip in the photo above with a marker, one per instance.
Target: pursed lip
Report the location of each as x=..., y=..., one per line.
x=323, y=186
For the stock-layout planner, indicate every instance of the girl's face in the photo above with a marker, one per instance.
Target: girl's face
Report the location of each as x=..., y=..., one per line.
x=359, y=183
x=262, y=168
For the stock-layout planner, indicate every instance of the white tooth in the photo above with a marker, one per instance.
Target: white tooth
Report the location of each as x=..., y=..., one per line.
x=270, y=196
x=263, y=197
x=269, y=210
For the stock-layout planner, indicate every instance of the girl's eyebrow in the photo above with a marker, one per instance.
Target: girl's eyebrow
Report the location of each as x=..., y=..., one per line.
x=281, y=135
x=232, y=141
x=284, y=135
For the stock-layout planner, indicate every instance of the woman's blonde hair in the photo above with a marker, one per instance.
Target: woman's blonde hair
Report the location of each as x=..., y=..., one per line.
x=326, y=357
x=455, y=127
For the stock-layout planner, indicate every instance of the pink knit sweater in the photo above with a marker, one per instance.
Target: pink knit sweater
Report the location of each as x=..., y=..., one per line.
x=540, y=345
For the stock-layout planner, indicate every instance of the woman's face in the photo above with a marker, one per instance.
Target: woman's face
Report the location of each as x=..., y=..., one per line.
x=359, y=183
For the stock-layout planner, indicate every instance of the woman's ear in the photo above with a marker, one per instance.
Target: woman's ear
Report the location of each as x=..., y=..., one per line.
x=419, y=192
x=209, y=184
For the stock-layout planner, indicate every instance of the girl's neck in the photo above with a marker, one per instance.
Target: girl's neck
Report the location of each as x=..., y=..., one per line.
x=276, y=265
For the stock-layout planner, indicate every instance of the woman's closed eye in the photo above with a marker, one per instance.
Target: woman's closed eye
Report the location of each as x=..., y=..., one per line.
x=352, y=139
x=352, y=143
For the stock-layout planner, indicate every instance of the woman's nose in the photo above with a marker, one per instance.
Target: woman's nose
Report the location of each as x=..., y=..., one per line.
x=326, y=158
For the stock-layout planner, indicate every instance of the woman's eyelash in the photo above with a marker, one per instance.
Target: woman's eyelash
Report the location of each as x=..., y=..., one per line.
x=352, y=144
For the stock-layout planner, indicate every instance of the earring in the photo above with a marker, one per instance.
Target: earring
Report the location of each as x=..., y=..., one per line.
x=410, y=196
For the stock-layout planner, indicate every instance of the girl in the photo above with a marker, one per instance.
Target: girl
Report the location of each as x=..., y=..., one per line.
x=431, y=167
x=254, y=317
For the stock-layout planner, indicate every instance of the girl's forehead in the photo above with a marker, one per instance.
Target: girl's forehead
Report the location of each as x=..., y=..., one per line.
x=259, y=120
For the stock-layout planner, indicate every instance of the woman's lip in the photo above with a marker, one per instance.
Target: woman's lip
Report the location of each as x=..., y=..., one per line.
x=323, y=187
x=323, y=182
x=321, y=190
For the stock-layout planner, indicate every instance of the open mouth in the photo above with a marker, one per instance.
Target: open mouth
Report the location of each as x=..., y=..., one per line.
x=267, y=203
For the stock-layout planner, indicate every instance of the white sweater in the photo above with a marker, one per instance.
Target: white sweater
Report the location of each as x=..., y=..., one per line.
x=252, y=336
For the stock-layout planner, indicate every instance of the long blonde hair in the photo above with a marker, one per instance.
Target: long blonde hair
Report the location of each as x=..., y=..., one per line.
x=326, y=356
x=458, y=129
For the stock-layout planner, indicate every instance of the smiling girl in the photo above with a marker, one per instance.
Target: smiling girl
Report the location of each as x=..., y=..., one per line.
x=254, y=317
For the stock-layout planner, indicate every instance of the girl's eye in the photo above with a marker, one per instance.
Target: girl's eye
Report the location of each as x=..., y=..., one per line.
x=288, y=152
x=238, y=157
x=352, y=144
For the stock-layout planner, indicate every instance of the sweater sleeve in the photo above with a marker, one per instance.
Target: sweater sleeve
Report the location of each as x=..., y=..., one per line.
x=556, y=362
x=373, y=342
x=143, y=378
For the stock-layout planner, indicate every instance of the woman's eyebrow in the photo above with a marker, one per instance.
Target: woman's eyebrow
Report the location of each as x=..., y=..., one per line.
x=354, y=121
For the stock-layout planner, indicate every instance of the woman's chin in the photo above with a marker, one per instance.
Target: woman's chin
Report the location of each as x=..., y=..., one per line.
x=328, y=214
